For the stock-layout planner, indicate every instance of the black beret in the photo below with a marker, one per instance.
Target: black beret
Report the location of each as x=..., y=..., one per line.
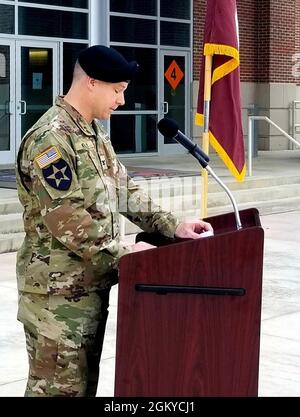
x=106, y=64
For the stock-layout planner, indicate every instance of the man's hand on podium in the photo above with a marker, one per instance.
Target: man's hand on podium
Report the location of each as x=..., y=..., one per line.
x=194, y=230
x=138, y=247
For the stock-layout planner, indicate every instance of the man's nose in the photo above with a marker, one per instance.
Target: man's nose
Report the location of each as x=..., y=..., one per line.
x=121, y=99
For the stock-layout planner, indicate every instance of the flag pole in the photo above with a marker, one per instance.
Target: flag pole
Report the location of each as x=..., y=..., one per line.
x=205, y=136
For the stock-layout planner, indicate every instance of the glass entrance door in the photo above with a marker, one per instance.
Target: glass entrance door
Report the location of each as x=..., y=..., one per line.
x=175, y=96
x=7, y=102
x=28, y=86
x=37, y=82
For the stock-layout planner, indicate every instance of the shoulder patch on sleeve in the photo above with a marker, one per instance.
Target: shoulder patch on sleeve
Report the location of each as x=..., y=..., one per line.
x=49, y=156
x=58, y=175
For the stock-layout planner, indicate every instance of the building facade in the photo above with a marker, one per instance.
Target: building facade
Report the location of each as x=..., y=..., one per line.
x=39, y=42
x=269, y=34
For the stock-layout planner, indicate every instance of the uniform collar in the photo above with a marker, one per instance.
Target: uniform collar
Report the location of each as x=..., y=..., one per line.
x=76, y=116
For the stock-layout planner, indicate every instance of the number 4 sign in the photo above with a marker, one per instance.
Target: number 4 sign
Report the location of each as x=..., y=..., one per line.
x=174, y=74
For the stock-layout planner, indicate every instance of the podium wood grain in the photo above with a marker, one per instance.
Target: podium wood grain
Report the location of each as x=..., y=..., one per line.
x=192, y=344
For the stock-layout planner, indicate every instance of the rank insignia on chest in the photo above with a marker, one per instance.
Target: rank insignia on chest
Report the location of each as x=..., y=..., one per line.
x=58, y=175
x=103, y=162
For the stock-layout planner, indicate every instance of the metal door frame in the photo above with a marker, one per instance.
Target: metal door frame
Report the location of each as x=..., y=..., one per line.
x=164, y=149
x=54, y=45
x=8, y=157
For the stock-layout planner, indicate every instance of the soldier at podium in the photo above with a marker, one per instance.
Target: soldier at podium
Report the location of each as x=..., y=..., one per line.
x=72, y=188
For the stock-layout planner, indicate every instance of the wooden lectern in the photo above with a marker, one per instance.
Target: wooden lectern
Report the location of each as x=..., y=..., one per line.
x=189, y=314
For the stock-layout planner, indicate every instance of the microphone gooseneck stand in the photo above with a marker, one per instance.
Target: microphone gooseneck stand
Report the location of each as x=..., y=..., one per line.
x=205, y=165
x=169, y=128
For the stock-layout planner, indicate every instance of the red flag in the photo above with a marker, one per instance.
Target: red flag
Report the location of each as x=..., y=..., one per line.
x=225, y=124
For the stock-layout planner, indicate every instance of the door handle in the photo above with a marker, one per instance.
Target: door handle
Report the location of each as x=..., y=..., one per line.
x=165, y=107
x=24, y=110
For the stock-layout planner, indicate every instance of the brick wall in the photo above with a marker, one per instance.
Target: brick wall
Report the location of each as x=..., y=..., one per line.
x=263, y=41
x=282, y=40
x=296, y=62
x=198, y=23
x=248, y=33
x=269, y=38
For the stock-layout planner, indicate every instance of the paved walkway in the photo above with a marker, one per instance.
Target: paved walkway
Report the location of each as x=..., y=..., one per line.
x=280, y=327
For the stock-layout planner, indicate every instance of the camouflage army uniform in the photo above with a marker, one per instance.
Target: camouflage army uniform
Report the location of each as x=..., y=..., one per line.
x=72, y=186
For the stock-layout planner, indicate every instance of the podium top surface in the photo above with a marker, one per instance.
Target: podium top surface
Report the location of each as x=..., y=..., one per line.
x=227, y=222
x=222, y=224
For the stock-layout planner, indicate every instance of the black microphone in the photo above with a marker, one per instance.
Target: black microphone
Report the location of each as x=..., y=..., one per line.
x=169, y=128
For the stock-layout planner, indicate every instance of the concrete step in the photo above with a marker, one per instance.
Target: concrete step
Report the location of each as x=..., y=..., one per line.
x=256, y=194
x=11, y=223
x=160, y=189
x=264, y=207
x=10, y=205
x=253, y=182
x=11, y=242
x=182, y=196
x=154, y=184
x=188, y=200
x=178, y=196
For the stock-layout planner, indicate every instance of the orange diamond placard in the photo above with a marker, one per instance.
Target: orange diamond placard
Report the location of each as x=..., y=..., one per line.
x=174, y=74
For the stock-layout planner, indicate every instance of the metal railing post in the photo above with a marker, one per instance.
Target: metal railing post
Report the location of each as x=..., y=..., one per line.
x=251, y=120
x=295, y=125
x=250, y=143
x=282, y=131
x=293, y=132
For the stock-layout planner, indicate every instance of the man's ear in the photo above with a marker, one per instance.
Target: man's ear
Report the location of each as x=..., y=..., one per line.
x=90, y=83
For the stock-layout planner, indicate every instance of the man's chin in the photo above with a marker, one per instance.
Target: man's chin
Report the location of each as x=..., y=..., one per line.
x=105, y=116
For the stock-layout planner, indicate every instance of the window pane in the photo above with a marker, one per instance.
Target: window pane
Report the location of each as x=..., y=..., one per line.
x=71, y=52
x=147, y=7
x=180, y=9
x=134, y=133
x=4, y=98
x=53, y=23
x=176, y=99
x=7, y=19
x=141, y=92
x=67, y=3
x=125, y=29
x=175, y=34
x=36, y=83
